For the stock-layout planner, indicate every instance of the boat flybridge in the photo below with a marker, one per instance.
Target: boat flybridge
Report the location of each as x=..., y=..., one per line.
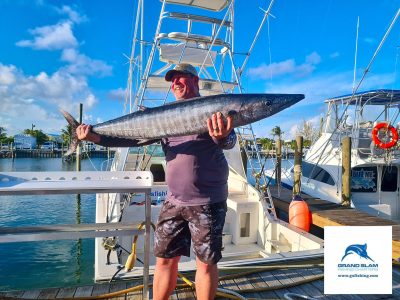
x=251, y=233
x=371, y=119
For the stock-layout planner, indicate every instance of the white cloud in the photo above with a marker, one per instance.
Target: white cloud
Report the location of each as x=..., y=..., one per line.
x=316, y=89
x=84, y=65
x=286, y=67
x=90, y=101
x=72, y=14
x=334, y=55
x=61, y=37
x=35, y=99
x=313, y=58
x=118, y=94
x=264, y=71
x=51, y=37
x=7, y=75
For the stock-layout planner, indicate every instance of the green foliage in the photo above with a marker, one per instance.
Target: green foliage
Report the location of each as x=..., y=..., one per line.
x=277, y=131
x=266, y=143
x=292, y=144
x=4, y=139
x=66, y=134
x=38, y=134
x=2, y=133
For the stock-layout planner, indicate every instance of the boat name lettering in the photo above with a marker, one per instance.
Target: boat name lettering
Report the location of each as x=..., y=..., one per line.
x=159, y=194
x=364, y=174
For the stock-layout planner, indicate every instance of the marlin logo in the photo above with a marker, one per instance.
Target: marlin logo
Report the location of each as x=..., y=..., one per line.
x=361, y=250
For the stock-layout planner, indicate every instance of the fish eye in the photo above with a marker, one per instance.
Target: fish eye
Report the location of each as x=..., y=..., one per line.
x=267, y=102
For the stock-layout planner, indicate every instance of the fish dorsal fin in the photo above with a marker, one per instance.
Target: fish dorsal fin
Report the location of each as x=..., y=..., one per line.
x=364, y=247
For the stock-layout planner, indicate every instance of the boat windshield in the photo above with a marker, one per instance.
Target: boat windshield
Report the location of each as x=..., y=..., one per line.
x=153, y=150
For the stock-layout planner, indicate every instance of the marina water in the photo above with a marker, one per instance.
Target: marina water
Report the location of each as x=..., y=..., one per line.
x=31, y=265
x=42, y=264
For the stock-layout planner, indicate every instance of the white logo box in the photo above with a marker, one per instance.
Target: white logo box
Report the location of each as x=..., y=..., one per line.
x=358, y=260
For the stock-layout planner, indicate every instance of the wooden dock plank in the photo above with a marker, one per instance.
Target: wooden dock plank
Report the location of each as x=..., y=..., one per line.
x=32, y=294
x=48, y=293
x=136, y=295
x=15, y=294
x=244, y=284
x=100, y=289
x=186, y=294
x=229, y=284
x=67, y=292
x=325, y=213
x=293, y=276
x=308, y=288
x=272, y=282
x=116, y=287
x=273, y=278
x=257, y=281
x=84, y=291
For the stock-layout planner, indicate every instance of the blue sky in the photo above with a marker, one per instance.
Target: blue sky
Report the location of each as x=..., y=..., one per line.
x=61, y=53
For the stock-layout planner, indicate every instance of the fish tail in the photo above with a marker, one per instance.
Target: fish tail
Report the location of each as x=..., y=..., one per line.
x=74, y=138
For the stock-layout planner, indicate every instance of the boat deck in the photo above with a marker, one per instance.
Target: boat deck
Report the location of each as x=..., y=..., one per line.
x=262, y=284
x=326, y=213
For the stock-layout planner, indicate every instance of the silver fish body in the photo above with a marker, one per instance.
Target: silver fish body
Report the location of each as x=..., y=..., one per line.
x=186, y=117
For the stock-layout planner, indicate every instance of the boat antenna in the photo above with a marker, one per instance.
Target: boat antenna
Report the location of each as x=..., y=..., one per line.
x=377, y=50
x=355, y=53
x=325, y=145
x=269, y=50
x=266, y=14
x=132, y=63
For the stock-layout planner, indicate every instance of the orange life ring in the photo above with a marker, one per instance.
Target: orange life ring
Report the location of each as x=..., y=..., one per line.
x=387, y=127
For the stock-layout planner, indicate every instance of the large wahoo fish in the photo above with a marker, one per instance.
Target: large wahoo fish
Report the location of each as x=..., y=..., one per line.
x=185, y=117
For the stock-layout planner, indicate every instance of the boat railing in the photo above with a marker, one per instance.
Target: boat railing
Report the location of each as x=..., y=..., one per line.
x=196, y=18
x=215, y=5
x=44, y=183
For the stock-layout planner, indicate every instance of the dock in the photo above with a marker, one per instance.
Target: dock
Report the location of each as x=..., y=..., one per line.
x=326, y=213
x=273, y=282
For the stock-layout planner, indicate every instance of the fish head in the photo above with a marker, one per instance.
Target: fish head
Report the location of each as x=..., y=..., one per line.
x=259, y=106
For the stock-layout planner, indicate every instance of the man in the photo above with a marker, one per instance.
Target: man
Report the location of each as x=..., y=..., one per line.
x=195, y=206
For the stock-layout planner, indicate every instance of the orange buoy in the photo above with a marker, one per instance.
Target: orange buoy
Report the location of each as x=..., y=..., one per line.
x=299, y=214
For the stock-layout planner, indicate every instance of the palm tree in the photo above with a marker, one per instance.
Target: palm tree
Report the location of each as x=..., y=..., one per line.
x=66, y=134
x=2, y=133
x=276, y=131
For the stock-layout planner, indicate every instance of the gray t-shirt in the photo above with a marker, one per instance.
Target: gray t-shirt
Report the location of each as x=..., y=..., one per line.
x=197, y=171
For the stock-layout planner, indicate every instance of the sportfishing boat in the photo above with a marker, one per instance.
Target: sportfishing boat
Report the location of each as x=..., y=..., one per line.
x=252, y=233
x=371, y=119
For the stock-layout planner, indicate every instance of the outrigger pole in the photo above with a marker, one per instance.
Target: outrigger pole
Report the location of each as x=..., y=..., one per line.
x=266, y=14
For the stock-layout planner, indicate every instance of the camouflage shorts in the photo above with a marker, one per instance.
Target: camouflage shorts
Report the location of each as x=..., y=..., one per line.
x=179, y=225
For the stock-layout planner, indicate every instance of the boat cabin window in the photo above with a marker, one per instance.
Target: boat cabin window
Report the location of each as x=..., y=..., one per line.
x=245, y=225
x=389, y=179
x=364, y=179
x=316, y=173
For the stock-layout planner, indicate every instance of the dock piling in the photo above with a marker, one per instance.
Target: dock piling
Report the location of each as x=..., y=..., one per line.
x=278, y=170
x=298, y=157
x=346, y=171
